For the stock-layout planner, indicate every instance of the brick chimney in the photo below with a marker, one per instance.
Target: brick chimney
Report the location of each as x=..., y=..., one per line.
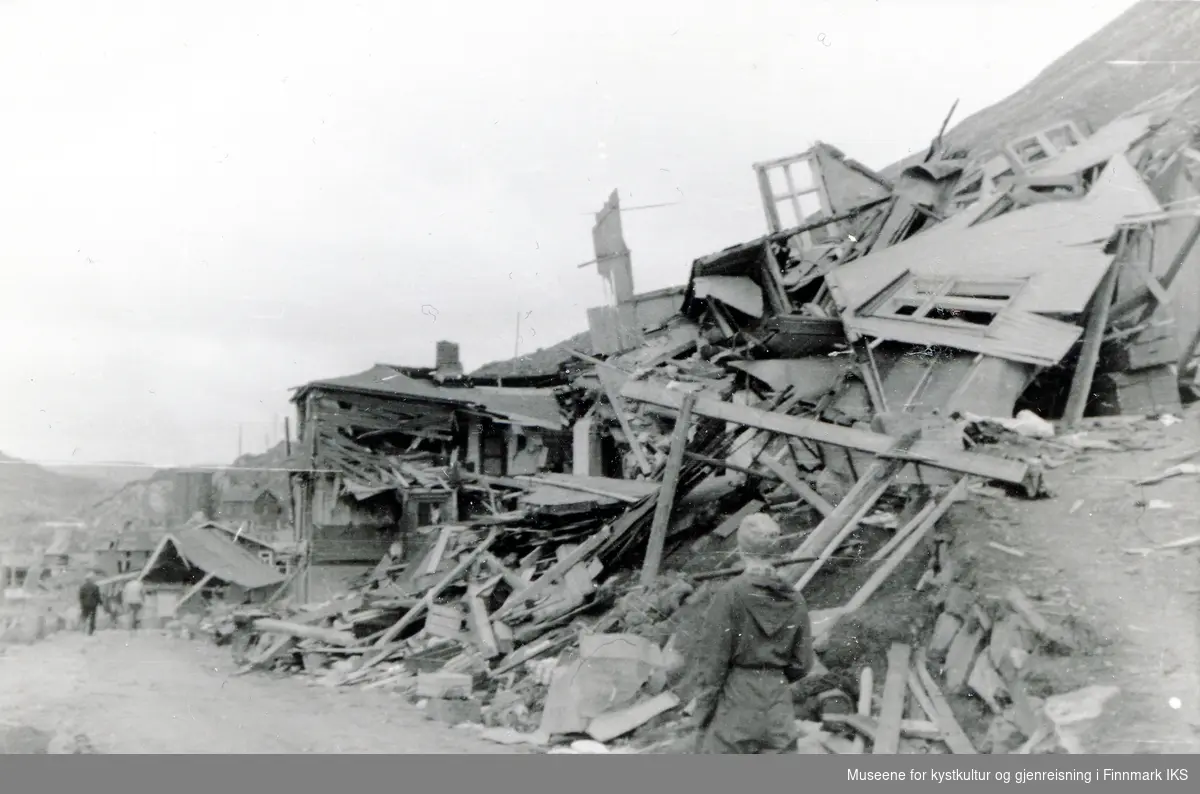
x=447, y=363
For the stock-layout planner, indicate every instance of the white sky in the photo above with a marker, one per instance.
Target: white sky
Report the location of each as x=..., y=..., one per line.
x=203, y=204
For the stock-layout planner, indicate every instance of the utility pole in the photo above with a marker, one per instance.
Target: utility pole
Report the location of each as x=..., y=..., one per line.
x=517, y=340
x=239, y=439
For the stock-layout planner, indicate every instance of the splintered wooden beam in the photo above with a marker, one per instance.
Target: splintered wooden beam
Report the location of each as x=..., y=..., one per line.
x=891, y=711
x=798, y=486
x=666, y=494
x=904, y=549
x=421, y=606
x=196, y=588
x=952, y=732
x=611, y=383
x=1085, y=370
x=924, y=453
x=838, y=525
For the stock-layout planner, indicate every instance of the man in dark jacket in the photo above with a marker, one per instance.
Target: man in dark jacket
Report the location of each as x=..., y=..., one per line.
x=757, y=641
x=89, y=602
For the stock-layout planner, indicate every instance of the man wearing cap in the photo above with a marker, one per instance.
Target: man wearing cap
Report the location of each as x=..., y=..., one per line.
x=756, y=642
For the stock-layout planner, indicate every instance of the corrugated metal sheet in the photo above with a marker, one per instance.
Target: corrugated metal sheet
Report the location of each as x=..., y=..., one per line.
x=1013, y=335
x=532, y=406
x=225, y=559
x=1053, y=244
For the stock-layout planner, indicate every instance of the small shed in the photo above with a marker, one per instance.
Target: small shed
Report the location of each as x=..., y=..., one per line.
x=196, y=562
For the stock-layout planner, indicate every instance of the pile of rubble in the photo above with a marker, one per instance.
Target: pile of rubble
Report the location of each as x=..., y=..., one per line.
x=854, y=375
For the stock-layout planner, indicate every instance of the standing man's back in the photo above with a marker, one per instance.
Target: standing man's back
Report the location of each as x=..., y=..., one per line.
x=757, y=643
x=133, y=596
x=89, y=602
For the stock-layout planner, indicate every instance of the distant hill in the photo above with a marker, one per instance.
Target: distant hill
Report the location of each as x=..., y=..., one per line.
x=149, y=503
x=110, y=474
x=1086, y=86
x=31, y=494
x=544, y=361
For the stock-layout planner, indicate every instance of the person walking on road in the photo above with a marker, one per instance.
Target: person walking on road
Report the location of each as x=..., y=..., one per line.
x=757, y=643
x=89, y=602
x=134, y=596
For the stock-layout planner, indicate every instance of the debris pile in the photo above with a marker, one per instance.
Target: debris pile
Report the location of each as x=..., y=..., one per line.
x=896, y=350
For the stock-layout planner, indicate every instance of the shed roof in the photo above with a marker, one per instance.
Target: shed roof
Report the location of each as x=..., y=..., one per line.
x=224, y=559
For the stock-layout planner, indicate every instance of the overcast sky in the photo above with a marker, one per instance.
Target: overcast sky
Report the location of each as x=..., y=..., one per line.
x=203, y=204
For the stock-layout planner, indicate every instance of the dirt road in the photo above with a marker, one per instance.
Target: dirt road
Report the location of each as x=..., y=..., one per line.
x=1081, y=557
x=157, y=694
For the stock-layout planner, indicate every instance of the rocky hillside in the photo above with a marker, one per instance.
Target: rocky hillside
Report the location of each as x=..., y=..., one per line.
x=31, y=494
x=148, y=504
x=1096, y=80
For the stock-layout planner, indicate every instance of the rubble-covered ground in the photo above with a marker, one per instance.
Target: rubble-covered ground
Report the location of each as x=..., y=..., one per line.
x=154, y=693
x=1086, y=564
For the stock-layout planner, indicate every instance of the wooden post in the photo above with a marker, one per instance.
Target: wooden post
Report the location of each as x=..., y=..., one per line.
x=1093, y=336
x=854, y=505
x=666, y=494
x=880, y=575
x=891, y=710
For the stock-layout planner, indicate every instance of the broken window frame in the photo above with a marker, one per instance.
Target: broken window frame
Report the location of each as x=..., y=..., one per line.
x=925, y=297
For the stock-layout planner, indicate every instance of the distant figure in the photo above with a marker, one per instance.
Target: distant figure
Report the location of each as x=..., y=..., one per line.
x=89, y=601
x=757, y=641
x=133, y=596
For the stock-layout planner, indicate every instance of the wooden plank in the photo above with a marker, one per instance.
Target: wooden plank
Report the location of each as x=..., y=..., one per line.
x=1143, y=297
x=732, y=522
x=610, y=381
x=666, y=495
x=845, y=532
x=922, y=697
x=801, y=488
x=902, y=533
x=328, y=636
x=439, y=550
x=891, y=711
x=570, y=485
x=852, y=509
x=866, y=692
x=193, y=590
x=511, y=577
x=430, y=596
x=955, y=738
x=924, y=453
x=869, y=726
x=554, y=573
x=1085, y=370
x=482, y=622
x=880, y=576
x=1029, y=613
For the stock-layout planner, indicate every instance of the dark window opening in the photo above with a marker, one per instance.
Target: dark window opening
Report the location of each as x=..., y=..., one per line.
x=958, y=315
x=907, y=310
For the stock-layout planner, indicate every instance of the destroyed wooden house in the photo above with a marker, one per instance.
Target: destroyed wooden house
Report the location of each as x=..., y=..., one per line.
x=824, y=373
x=196, y=564
x=385, y=448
